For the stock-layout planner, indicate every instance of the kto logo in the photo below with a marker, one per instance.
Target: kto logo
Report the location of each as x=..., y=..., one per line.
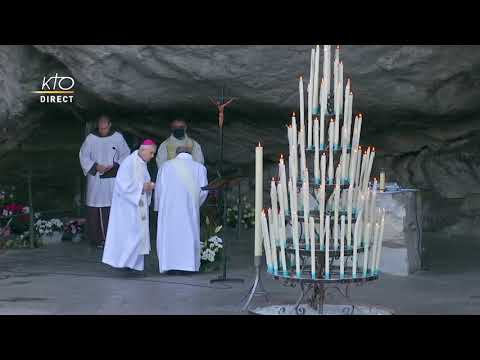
x=57, y=89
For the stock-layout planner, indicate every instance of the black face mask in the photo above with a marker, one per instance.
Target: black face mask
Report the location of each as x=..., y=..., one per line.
x=179, y=133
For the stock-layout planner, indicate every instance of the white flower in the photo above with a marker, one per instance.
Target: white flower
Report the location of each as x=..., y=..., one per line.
x=26, y=210
x=212, y=246
x=207, y=221
x=218, y=228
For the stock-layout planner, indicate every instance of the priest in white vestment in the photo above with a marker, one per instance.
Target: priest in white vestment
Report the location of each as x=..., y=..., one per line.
x=128, y=237
x=101, y=154
x=178, y=197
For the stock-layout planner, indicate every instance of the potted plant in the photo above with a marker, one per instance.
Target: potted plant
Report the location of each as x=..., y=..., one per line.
x=49, y=231
x=74, y=229
x=211, y=248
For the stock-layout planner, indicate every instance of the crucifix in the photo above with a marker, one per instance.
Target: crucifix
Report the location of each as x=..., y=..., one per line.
x=221, y=104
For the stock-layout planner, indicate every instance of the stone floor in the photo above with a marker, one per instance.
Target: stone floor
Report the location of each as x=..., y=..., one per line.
x=70, y=279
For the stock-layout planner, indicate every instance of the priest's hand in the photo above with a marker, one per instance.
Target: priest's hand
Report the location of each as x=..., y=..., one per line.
x=149, y=186
x=101, y=169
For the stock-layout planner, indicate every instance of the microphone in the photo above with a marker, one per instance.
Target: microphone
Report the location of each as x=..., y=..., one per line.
x=114, y=148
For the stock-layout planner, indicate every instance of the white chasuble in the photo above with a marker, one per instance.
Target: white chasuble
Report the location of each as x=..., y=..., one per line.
x=128, y=236
x=178, y=197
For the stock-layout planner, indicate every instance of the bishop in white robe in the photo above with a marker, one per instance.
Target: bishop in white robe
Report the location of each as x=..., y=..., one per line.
x=101, y=154
x=178, y=197
x=128, y=237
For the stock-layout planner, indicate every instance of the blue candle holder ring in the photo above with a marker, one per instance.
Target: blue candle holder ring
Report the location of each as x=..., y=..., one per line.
x=327, y=276
x=314, y=275
x=299, y=275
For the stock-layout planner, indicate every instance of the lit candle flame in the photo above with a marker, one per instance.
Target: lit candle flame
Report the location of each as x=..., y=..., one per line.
x=293, y=115
x=281, y=156
x=259, y=145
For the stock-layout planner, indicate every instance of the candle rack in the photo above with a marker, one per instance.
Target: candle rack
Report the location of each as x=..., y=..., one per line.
x=292, y=262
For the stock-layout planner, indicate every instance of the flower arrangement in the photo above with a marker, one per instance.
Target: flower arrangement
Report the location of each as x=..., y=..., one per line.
x=47, y=227
x=74, y=229
x=247, y=215
x=211, y=249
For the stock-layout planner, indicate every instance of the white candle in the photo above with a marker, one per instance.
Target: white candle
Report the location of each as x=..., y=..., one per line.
x=356, y=242
x=295, y=147
x=322, y=213
x=374, y=249
x=370, y=164
x=382, y=180
x=336, y=214
x=359, y=130
x=358, y=166
x=342, y=246
x=349, y=216
x=331, y=145
x=373, y=201
x=312, y=247
x=258, y=198
x=303, y=159
x=302, y=107
x=340, y=84
x=274, y=199
x=366, y=244
x=344, y=156
x=283, y=181
x=282, y=229
x=316, y=80
x=323, y=168
x=336, y=63
x=266, y=242
x=306, y=213
x=380, y=241
x=273, y=246
x=310, y=117
x=346, y=106
x=322, y=123
x=364, y=165
x=328, y=68
x=327, y=247
x=296, y=244
x=293, y=192
x=336, y=132
x=350, y=113
x=317, y=153
x=353, y=163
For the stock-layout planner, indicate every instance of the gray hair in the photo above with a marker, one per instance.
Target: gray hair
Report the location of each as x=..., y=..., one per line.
x=184, y=149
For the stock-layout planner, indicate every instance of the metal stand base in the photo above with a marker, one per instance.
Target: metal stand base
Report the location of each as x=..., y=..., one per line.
x=254, y=291
x=225, y=279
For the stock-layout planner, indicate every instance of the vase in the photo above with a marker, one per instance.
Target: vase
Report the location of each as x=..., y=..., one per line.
x=53, y=238
x=77, y=237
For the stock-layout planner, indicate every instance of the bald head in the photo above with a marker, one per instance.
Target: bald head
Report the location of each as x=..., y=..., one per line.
x=183, y=149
